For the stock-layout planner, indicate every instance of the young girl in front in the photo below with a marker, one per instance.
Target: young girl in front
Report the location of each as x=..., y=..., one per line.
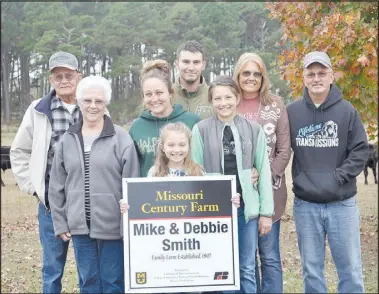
x=173, y=157
x=230, y=144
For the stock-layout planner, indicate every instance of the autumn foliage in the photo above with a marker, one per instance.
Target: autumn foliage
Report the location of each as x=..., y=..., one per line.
x=348, y=32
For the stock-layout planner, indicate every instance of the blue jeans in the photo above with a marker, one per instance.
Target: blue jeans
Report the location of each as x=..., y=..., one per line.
x=54, y=253
x=100, y=264
x=247, y=244
x=339, y=222
x=271, y=265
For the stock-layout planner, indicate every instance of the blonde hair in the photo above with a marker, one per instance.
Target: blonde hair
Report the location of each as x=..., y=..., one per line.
x=244, y=59
x=161, y=168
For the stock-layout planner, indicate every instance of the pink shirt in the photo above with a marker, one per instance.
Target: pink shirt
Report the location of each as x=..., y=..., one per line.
x=274, y=120
x=249, y=108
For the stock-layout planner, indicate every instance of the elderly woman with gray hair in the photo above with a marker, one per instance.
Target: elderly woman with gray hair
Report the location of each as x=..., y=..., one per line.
x=85, y=188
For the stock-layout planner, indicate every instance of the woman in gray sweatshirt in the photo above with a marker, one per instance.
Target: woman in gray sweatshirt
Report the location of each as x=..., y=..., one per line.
x=85, y=188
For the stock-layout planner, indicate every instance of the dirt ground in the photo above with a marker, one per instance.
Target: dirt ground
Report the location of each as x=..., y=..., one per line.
x=21, y=250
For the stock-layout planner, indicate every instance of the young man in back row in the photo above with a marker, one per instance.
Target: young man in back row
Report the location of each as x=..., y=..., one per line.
x=191, y=90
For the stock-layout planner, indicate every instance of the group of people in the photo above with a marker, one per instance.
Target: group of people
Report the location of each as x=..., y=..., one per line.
x=72, y=158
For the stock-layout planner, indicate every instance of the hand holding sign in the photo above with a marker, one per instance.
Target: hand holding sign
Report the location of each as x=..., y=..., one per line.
x=124, y=206
x=236, y=199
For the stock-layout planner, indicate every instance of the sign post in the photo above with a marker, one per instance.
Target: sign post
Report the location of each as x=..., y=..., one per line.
x=180, y=234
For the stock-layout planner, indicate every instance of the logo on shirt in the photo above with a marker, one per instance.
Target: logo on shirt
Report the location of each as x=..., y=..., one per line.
x=318, y=135
x=176, y=173
x=204, y=110
x=148, y=146
x=229, y=148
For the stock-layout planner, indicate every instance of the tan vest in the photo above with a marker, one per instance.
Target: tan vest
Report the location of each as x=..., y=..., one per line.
x=196, y=102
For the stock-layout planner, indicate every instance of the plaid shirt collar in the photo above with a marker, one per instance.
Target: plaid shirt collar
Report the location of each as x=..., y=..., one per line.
x=57, y=103
x=62, y=119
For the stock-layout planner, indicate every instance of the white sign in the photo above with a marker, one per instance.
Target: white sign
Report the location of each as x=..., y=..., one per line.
x=180, y=235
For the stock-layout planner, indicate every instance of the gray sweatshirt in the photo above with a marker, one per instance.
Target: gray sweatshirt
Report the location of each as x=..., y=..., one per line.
x=113, y=157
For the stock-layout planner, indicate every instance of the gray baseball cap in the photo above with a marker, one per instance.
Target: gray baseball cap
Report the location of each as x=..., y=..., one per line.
x=319, y=57
x=63, y=59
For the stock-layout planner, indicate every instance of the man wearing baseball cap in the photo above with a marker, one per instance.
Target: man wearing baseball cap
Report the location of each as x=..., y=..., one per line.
x=330, y=149
x=32, y=152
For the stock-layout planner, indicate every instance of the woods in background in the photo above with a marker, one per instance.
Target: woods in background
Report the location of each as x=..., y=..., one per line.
x=114, y=39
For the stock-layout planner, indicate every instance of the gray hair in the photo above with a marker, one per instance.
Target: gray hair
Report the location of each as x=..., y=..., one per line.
x=96, y=82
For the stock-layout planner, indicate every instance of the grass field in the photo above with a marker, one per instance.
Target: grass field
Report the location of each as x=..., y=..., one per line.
x=21, y=250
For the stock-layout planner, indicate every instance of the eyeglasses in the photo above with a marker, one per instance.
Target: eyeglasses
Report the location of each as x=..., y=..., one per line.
x=59, y=78
x=321, y=75
x=88, y=102
x=257, y=75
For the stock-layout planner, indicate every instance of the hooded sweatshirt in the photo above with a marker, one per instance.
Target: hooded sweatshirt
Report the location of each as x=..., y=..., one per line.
x=145, y=133
x=330, y=148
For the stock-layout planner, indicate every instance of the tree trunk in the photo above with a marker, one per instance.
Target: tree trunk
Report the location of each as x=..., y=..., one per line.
x=122, y=87
x=25, y=80
x=104, y=66
x=11, y=75
x=115, y=88
x=135, y=83
x=42, y=85
x=127, y=85
x=118, y=88
x=263, y=34
x=5, y=80
x=15, y=84
x=46, y=88
x=88, y=65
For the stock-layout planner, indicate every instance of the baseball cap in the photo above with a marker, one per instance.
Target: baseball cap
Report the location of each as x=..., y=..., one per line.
x=63, y=59
x=319, y=57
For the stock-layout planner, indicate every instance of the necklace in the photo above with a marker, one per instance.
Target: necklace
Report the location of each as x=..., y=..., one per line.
x=258, y=111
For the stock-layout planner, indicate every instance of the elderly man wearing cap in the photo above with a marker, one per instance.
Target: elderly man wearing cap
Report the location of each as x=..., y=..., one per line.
x=330, y=149
x=32, y=152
